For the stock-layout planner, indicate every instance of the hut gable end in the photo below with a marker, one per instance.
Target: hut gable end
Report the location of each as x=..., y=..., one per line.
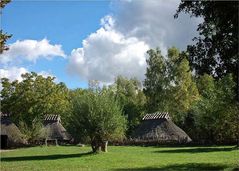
x=156, y=116
x=52, y=119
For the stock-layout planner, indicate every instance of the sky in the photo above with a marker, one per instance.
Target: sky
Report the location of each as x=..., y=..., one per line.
x=77, y=41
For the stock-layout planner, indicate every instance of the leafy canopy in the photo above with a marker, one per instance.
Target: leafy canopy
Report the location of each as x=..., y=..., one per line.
x=33, y=97
x=216, y=48
x=3, y=36
x=98, y=116
x=169, y=85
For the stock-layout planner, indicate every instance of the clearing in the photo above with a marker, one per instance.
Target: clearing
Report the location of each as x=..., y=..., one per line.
x=121, y=158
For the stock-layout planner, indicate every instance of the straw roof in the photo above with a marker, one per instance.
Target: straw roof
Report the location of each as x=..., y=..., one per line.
x=156, y=115
x=53, y=129
x=159, y=127
x=8, y=128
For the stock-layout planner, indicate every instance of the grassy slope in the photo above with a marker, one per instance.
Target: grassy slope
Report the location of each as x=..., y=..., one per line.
x=121, y=158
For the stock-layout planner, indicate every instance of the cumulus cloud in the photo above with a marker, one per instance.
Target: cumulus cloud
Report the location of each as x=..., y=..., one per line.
x=30, y=50
x=153, y=22
x=107, y=53
x=13, y=73
x=45, y=74
x=119, y=46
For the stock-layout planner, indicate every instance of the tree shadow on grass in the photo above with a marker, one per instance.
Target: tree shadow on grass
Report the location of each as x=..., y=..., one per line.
x=45, y=157
x=197, y=150
x=181, y=167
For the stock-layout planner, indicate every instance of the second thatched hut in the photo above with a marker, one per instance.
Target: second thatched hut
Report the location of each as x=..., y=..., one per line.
x=159, y=128
x=53, y=131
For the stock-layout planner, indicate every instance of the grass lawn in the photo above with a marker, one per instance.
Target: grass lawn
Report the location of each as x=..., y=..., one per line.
x=119, y=158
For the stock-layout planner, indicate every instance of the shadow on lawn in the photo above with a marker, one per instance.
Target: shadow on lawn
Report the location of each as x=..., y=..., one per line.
x=197, y=150
x=182, y=167
x=46, y=157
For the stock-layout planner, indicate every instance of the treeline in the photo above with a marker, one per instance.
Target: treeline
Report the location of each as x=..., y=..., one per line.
x=203, y=106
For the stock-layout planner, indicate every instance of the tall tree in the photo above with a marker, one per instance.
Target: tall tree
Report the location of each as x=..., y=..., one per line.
x=129, y=93
x=216, y=49
x=169, y=85
x=215, y=114
x=215, y=53
x=33, y=97
x=183, y=90
x=156, y=82
x=98, y=116
x=3, y=36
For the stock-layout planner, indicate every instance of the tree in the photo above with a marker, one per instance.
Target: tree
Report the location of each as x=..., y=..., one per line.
x=215, y=53
x=129, y=94
x=169, y=85
x=31, y=132
x=215, y=114
x=3, y=36
x=33, y=97
x=216, y=49
x=3, y=3
x=156, y=82
x=183, y=91
x=98, y=116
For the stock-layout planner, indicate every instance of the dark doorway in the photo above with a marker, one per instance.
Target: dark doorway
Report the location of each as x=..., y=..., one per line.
x=3, y=144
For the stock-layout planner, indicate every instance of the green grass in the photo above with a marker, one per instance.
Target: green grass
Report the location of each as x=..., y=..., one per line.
x=68, y=158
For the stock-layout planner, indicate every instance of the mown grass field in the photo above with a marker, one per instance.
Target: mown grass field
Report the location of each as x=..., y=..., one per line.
x=119, y=158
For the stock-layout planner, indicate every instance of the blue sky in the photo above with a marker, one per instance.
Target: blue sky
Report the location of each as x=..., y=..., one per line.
x=66, y=23
x=116, y=36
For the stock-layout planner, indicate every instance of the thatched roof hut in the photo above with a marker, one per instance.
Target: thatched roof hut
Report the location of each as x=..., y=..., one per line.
x=158, y=127
x=53, y=129
x=10, y=134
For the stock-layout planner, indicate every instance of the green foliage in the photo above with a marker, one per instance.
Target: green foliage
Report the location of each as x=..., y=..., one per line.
x=3, y=39
x=3, y=36
x=3, y=3
x=169, y=85
x=215, y=116
x=33, y=97
x=98, y=116
x=216, y=49
x=156, y=82
x=216, y=113
x=128, y=92
x=33, y=132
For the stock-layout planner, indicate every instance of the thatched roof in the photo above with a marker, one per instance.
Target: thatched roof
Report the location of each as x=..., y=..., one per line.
x=53, y=129
x=8, y=128
x=159, y=127
x=52, y=119
x=156, y=115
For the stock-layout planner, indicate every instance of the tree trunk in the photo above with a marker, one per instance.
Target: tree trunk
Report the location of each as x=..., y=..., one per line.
x=56, y=142
x=46, y=142
x=95, y=146
x=104, y=145
x=237, y=81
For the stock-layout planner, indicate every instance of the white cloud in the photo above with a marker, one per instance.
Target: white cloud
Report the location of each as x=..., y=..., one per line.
x=45, y=74
x=153, y=22
x=13, y=73
x=30, y=50
x=108, y=53
x=119, y=46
